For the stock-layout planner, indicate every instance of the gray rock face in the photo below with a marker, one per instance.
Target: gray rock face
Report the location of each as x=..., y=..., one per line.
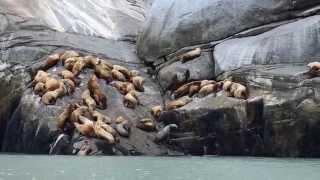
x=278, y=119
x=176, y=24
x=296, y=42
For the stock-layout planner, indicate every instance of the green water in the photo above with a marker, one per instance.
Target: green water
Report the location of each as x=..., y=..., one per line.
x=16, y=167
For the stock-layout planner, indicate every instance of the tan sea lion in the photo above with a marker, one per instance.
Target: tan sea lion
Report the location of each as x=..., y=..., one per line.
x=65, y=115
x=102, y=133
x=184, y=89
x=88, y=100
x=130, y=100
x=118, y=75
x=314, y=68
x=178, y=103
x=227, y=87
x=138, y=82
x=41, y=76
x=50, y=97
x=79, y=66
x=120, y=86
x=80, y=111
x=146, y=124
x=39, y=88
x=206, y=82
x=70, y=62
x=156, y=111
x=69, y=85
x=85, y=127
x=123, y=70
x=188, y=56
x=165, y=132
x=134, y=73
x=68, y=54
x=51, y=84
x=210, y=88
x=96, y=92
x=240, y=92
x=66, y=74
x=103, y=73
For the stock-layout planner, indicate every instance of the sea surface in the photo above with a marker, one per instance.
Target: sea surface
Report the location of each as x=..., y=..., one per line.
x=25, y=167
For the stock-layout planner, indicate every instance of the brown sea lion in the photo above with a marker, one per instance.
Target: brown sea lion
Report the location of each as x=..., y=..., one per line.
x=156, y=111
x=210, y=88
x=70, y=62
x=66, y=74
x=206, y=82
x=96, y=92
x=193, y=89
x=68, y=54
x=314, y=68
x=146, y=124
x=65, y=115
x=69, y=85
x=80, y=111
x=134, y=73
x=123, y=70
x=51, y=61
x=118, y=75
x=188, y=56
x=39, y=88
x=102, y=133
x=103, y=73
x=41, y=76
x=51, y=84
x=178, y=103
x=130, y=100
x=88, y=100
x=50, y=97
x=138, y=82
x=79, y=66
x=85, y=127
x=240, y=92
x=165, y=132
x=227, y=87
x=184, y=89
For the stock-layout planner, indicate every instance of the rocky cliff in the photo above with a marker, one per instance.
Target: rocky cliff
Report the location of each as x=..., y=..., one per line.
x=264, y=45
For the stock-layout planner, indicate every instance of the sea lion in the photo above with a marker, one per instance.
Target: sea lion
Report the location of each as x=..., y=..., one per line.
x=96, y=92
x=210, y=88
x=70, y=62
x=51, y=61
x=69, y=85
x=118, y=75
x=79, y=65
x=41, y=76
x=227, y=87
x=134, y=73
x=146, y=124
x=165, y=132
x=130, y=100
x=184, y=89
x=193, y=89
x=65, y=115
x=240, y=92
x=66, y=74
x=123, y=126
x=156, y=111
x=92, y=61
x=206, y=82
x=68, y=54
x=79, y=111
x=103, y=73
x=88, y=100
x=100, y=117
x=86, y=126
x=314, y=68
x=50, y=97
x=51, y=84
x=123, y=70
x=102, y=133
x=123, y=87
x=188, y=56
x=39, y=88
x=138, y=82
x=178, y=103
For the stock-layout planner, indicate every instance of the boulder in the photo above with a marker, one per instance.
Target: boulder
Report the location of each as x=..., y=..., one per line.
x=172, y=25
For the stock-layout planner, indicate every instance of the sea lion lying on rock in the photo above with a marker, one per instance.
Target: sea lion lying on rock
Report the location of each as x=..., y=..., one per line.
x=85, y=127
x=185, y=89
x=101, y=131
x=103, y=72
x=41, y=76
x=138, y=82
x=156, y=111
x=88, y=100
x=123, y=126
x=210, y=88
x=178, y=103
x=123, y=87
x=66, y=74
x=79, y=111
x=314, y=68
x=118, y=75
x=100, y=117
x=146, y=124
x=165, y=132
x=235, y=89
x=39, y=88
x=130, y=100
x=79, y=65
x=68, y=54
x=96, y=92
x=123, y=70
x=65, y=115
x=188, y=56
x=70, y=62
x=50, y=97
x=51, y=61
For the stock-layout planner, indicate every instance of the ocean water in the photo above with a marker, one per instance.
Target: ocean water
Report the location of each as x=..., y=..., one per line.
x=25, y=167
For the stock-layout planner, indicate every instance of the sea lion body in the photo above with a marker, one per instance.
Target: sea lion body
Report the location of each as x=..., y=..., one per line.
x=84, y=129
x=39, y=88
x=123, y=70
x=50, y=97
x=51, y=61
x=165, y=132
x=88, y=100
x=80, y=111
x=146, y=124
x=102, y=133
x=118, y=75
x=206, y=82
x=68, y=54
x=51, y=84
x=79, y=66
x=64, y=116
x=138, y=82
x=97, y=93
x=156, y=111
x=66, y=74
x=130, y=100
x=124, y=128
x=70, y=62
x=101, y=117
x=41, y=76
x=103, y=73
x=178, y=103
x=188, y=56
x=185, y=89
x=193, y=89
